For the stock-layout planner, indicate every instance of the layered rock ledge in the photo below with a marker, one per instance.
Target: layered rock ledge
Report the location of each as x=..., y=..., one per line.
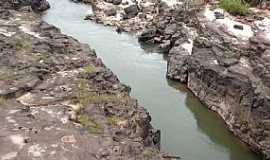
x=59, y=101
x=228, y=70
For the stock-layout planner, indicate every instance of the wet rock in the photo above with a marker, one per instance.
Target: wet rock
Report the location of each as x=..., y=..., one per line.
x=40, y=5
x=92, y=17
x=119, y=30
x=147, y=34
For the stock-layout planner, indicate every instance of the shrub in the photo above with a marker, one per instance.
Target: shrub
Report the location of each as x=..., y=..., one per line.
x=235, y=7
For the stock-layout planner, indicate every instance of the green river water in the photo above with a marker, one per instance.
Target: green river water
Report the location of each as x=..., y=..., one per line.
x=188, y=128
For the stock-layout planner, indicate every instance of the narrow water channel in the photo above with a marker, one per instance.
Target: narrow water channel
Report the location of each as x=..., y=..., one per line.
x=188, y=128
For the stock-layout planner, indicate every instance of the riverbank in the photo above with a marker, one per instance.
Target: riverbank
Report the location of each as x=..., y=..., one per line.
x=222, y=59
x=58, y=100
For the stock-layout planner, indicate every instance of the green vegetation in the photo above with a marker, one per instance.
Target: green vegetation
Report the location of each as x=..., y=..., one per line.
x=2, y=100
x=83, y=92
x=93, y=51
x=235, y=7
x=149, y=153
x=113, y=120
x=40, y=56
x=86, y=97
x=94, y=98
x=22, y=44
x=91, y=126
x=89, y=69
x=9, y=76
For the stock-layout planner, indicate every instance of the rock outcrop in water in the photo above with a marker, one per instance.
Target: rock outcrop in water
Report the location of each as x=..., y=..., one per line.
x=223, y=60
x=59, y=101
x=129, y=16
x=228, y=74
x=228, y=80
x=40, y=5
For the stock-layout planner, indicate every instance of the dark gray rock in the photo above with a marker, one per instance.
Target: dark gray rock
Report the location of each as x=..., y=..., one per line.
x=165, y=46
x=40, y=5
x=147, y=34
x=227, y=82
x=177, y=67
x=219, y=15
x=117, y=2
x=131, y=11
x=171, y=29
x=240, y=27
x=110, y=11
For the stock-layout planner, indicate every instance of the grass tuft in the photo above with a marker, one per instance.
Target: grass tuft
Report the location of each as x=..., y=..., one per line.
x=149, y=153
x=87, y=97
x=91, y=126
x=89, y=69
x=113, y=120
x=22, y=44
x=235, y=7
x=2, y=100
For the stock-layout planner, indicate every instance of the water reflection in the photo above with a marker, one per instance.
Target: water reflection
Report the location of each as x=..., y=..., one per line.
x=213, y=125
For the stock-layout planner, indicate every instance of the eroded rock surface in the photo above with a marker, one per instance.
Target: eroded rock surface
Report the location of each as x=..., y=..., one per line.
x=229, y=72
x=59, y=101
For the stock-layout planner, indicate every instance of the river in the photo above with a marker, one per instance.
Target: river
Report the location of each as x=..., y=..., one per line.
x=188, y=128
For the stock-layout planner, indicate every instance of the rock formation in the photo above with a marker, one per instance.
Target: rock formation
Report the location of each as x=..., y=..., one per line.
x=59, y=101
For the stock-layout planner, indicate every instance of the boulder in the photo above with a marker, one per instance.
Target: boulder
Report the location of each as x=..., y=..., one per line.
x=165, y=46
x=142, y=16
x=171, y=29
x=110, y=11
x=117, y=2
x=177, y=64
x=131, y=11
x=39, y=5
x=147, y=34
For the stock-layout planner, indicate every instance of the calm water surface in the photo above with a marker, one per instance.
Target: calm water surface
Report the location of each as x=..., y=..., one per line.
x=188, y=128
